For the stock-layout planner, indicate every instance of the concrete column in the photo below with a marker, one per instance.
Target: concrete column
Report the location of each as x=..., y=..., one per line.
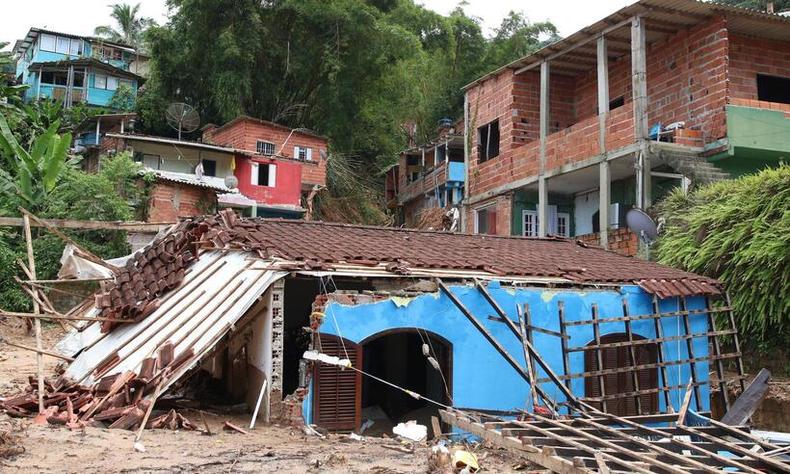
x=640, y=99
x=604, y=175
x=467, y=137
x=543, y=195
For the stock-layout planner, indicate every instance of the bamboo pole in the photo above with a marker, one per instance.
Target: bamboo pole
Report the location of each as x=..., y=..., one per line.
x=31, y=265
x=40, y=352
x=61, y=317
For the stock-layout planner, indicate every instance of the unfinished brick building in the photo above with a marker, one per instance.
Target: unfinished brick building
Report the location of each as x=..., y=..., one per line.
x=663, y=93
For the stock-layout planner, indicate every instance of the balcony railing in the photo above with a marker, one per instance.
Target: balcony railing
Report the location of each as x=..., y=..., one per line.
x=452, y=171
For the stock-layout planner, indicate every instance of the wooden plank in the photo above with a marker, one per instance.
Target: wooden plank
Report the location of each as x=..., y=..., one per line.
x=746, y=404
x=39, y=352
x=535, y=355
x=644, y=391
x=31, y=265
x=714, y=342
x=566, y=364
x=523, y=315
x=690, y=352
x=596, y=373
x=132, y=226
x=632, y=356
x=769, y=462
x=640, y=317
x=684, y=407
x=642, y=342
x=682, y=459
x=598, y=355
x=660, y=354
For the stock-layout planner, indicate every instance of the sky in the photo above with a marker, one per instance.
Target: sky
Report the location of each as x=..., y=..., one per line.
x=81, y=16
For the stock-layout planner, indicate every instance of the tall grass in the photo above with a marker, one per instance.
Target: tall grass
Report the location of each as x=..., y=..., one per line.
x=739, y=232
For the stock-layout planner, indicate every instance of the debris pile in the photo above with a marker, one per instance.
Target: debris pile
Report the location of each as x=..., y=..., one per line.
x=115, y=401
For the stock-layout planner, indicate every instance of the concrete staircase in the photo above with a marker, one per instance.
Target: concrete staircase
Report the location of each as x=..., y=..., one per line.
x=697, y=168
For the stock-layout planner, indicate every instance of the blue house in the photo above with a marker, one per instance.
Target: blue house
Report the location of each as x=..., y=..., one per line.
x=76, y=69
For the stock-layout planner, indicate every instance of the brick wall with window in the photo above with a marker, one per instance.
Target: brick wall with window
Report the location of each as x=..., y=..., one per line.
x=260, y=137
x=752, y=56
x=171, y=201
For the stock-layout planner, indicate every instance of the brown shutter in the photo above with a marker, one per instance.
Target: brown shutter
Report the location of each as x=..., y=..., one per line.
x=337, y=397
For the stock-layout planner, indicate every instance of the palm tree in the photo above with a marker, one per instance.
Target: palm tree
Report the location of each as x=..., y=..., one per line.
x=130, y=26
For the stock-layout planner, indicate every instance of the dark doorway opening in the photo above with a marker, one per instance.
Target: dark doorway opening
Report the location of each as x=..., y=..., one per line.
x=622, y=381
x=397, y=356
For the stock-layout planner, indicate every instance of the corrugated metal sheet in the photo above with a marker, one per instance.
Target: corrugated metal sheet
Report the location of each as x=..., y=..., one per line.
x=216, y=293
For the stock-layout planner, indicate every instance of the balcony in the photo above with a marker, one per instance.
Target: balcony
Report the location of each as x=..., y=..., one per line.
x=758, y=130
x=452, y=171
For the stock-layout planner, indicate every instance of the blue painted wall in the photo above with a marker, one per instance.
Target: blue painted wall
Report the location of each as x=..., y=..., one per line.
x=481, y=377
x=455, y=171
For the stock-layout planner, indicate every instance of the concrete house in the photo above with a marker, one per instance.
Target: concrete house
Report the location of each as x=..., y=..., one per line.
x=259, y=168
x=661, y=94
x=76, y=69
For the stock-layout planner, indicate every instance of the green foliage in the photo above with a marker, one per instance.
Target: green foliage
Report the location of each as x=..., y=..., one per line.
x=34, y=172
x=131, y=26
x=12, y=298
x=739, y=232
x=353, y=70
x=779, y=5
x=123, y=98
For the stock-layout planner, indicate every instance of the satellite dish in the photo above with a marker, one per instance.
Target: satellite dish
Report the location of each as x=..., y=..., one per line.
x=642, y=225
x=231, y=182
x=182, y=117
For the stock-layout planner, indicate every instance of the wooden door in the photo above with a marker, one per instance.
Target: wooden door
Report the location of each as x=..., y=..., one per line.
x=337, y=397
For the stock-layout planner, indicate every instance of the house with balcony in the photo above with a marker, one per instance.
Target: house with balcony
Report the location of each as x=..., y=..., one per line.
x=259, y=168
x=76, y=69
x=662, y=93
x=428, y=176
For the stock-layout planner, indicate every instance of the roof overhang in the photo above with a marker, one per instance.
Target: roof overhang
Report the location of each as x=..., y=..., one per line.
x=87, y=62
x=576, y=53
x=173, y=141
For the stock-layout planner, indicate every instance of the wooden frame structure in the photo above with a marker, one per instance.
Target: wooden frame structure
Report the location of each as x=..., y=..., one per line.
x=606, y=443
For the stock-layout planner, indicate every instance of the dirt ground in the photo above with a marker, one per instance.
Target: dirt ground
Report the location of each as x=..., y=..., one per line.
x=265, y=449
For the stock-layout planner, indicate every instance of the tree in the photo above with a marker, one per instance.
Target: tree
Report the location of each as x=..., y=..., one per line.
x=35, y=172
x=131, y=27
x=778, y=5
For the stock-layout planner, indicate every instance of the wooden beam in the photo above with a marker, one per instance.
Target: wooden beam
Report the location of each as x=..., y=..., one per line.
x=133, y=226
x=60, y=317
x=690, y=352
x=39, y=352
x=654, y=315
x=523, y=313
x=576, y=45
x=31, y=266
x=746, y=404
x=632, y=359
x=714, y=343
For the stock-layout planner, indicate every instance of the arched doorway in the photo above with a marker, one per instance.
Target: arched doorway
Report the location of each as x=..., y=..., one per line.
x=622, y=381
x=344, y=400
x=399, y=356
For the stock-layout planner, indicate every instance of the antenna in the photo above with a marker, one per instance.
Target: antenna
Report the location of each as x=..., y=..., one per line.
x=642, y=225
x=182, y=117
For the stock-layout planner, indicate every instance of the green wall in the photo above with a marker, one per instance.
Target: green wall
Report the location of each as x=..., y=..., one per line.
x=758, y=138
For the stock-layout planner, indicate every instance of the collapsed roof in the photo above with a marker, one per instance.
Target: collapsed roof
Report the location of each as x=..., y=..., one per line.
x=294, y=245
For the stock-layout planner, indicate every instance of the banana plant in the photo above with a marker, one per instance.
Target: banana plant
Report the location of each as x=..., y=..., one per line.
x=31, y=175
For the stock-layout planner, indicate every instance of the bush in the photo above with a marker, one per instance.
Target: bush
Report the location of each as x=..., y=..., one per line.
x=739, y=232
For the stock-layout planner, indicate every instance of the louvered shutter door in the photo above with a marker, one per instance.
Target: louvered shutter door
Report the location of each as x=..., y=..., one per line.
x=337, y=401
x=648, y=378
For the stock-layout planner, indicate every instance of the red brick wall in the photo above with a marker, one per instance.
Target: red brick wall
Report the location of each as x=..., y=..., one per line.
x=621, y=241
x=169, y=201
x=244, y=134
x=686, y=77
x=752, y=56
x=504, y=210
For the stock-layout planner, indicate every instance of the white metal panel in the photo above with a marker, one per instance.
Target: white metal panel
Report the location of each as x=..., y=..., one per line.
x=200, y=311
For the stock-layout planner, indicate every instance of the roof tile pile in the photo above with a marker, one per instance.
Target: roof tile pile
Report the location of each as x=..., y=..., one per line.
x=319, y=245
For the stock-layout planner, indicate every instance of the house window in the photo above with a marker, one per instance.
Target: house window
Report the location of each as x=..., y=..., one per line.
x=48, y=43
x=488, y=141
x=617, y=102
x=209, y=168
x=264, y=174
x=62, y=45
x=264, y=148
x=529, y=223
x=100, y=82
x=112, y=83
x=563, y=224
x=441, y=154
x=149, y=161
x=303, y=153
x=773, y=89
x=76, y=47
x=485, y=220
x=54, y=78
